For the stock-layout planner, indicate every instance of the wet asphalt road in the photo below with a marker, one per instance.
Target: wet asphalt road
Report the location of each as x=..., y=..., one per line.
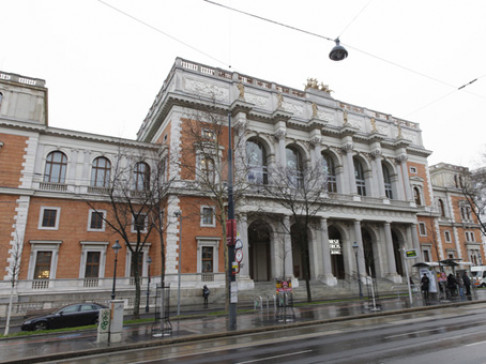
x=382, y=339
x=36, y=347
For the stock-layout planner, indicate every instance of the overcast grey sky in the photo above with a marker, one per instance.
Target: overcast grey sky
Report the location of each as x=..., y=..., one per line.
x=103, y=69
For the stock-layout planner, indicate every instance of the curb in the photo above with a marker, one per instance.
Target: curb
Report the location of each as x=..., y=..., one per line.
x=197, y=337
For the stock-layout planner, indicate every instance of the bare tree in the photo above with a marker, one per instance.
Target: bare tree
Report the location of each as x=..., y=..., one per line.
x=135, y=197
x=473, y=187
x=300, y=191
x=205, y=158
x=13, y=272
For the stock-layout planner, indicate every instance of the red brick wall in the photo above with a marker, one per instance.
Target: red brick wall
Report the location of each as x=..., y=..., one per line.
x=190, y=207
x=11, y=159
x=422, y=173
x=73, y=228
x=7, y=214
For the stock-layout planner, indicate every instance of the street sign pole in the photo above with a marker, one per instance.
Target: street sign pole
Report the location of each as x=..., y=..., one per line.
x=409, y=254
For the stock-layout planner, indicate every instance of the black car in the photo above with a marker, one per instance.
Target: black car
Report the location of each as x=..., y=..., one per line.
x=77, y=314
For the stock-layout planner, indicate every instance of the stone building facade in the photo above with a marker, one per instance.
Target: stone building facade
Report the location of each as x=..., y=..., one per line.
x=379, y=197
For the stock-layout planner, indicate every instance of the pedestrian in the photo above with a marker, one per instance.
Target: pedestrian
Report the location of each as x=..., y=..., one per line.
x=205, y=293
x=425, y=282
x=467, y=284
x=452, y=285
x=460, y=285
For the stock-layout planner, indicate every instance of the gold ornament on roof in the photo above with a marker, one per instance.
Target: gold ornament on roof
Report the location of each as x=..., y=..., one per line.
x=241, y=88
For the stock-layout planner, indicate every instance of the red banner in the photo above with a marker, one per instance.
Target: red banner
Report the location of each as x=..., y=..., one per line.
x=230, y=232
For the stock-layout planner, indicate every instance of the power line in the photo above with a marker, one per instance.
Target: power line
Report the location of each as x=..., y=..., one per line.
x=448, y=94
x=270, y=20
x=354, y=19
x=408, y=69
x=163, y=33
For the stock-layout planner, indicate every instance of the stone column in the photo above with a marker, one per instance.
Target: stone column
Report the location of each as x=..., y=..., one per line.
x=415, y=240
x=358, y=239
x=392, y=268
x=288, y=259
x=406, y=181
x=239, y=125
x=280, y=132
x=242, y=229
x=327, y=277
x=376, y=153
x=349, y=167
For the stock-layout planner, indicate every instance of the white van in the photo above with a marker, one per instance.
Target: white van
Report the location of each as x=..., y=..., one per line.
x=478, y=276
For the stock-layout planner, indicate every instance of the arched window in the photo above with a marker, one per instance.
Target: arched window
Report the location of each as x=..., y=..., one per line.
x=257, y=162
x=329, y=169
x=56, y=164
x=441, y=208
x=141, y=176
x=100, y=172
x=387, y=181
x=1, y=97
x=417, y=196
x=206, y=169
x=294, y=167
x=359, y=177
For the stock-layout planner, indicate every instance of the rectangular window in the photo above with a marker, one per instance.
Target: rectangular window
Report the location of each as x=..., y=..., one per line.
x=422, y=229
x=469, y=236
x=92, y=265
x=49, y=218
x=207, y=216
x=426, y=256
x=207, y=259
x=139, y=223
x=208, y=134
x=96, y=220
x=447, y=235
x=42, y=268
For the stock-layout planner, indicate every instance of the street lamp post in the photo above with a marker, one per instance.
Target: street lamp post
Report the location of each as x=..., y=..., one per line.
x=149, y=261
x=116, y=247
x=179, y=215
x=356, y=247
x=231, y=236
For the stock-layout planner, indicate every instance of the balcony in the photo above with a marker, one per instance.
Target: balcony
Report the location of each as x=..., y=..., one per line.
x=57, y=187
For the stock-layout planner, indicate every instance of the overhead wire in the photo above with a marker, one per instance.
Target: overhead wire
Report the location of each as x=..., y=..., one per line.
x=448, y=94
x=164, y=33
x=408, y=69
x=354, y=19
x=329, y=39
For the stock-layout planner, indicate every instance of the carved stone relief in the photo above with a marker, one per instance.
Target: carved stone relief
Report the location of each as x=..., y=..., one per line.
x=206, y=89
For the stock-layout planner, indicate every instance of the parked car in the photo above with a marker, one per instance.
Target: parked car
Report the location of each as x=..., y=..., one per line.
x=77, y=314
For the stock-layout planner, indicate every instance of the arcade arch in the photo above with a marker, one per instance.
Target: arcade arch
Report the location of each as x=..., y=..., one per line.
x=259, y=243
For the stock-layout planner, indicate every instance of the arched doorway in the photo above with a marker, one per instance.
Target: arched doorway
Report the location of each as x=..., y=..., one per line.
x=368, y=253
x=300, y=253
x=397, y=253
x=259, y=251
x=336, y=247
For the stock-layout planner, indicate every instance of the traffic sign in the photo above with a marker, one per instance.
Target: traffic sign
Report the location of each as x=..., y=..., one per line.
x=239, y=255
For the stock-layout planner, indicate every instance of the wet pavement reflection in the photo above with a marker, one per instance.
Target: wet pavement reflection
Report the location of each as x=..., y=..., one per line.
x=12, y=349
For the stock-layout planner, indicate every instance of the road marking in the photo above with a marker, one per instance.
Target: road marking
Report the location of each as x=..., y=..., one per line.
x=409, y=333
x=274, y=357
x=478, y=343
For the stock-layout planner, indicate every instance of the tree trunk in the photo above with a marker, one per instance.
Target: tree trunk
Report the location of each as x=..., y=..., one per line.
x=9, y=311
x=307, y=274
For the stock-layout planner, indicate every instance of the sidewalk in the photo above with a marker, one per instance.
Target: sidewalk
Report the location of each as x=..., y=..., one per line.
x=48, y=347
